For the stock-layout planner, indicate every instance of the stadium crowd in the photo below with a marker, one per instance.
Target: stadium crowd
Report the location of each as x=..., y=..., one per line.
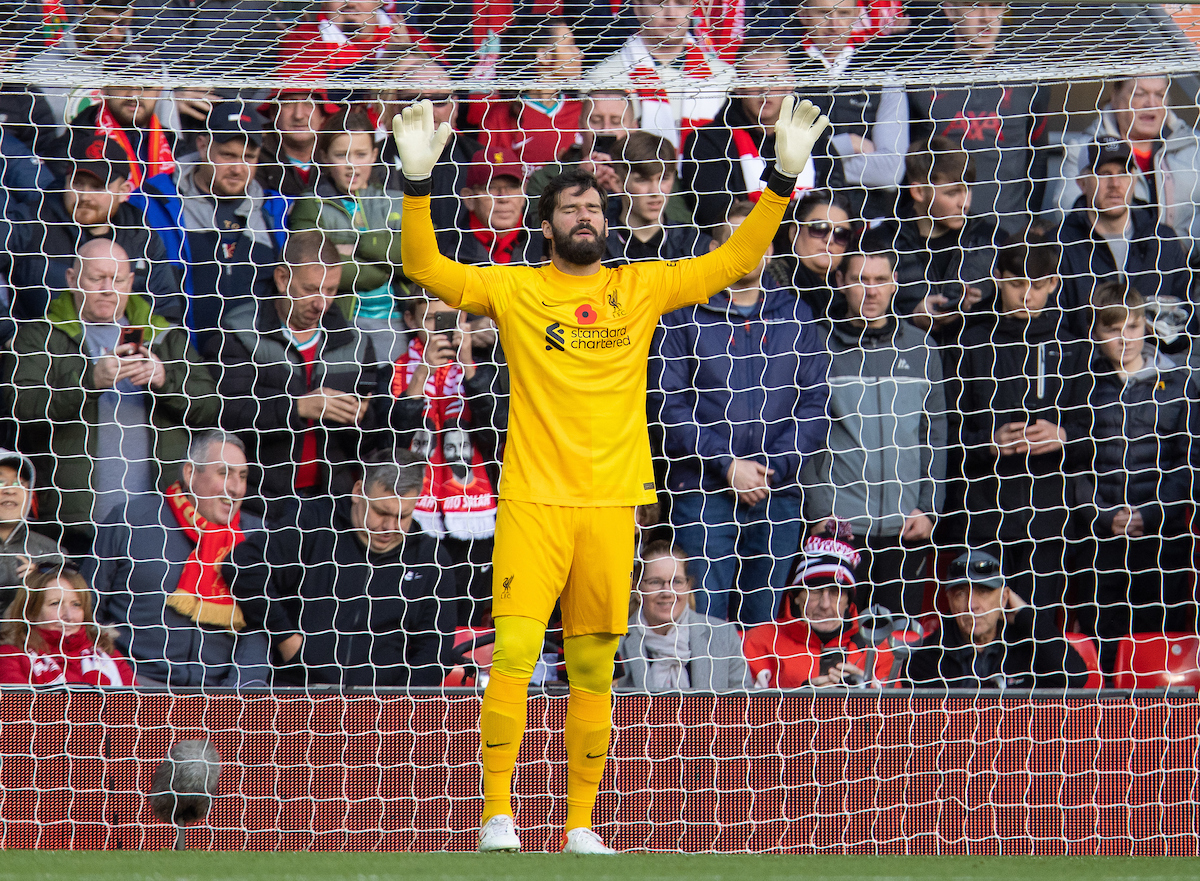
x=946, y=434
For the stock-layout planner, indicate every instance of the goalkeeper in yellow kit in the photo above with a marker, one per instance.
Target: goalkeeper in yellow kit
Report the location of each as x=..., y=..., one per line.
x=577, y=338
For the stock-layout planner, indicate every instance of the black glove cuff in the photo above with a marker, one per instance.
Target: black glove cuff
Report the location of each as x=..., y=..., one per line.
x=418, y=187
x=780, y=184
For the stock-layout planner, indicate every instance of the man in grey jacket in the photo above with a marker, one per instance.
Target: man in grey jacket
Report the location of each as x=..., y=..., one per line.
x=884, y=468
x=144, y=556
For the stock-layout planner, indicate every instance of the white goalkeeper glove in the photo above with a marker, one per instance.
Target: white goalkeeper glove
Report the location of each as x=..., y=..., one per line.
x=796, y=132
x=418, y=144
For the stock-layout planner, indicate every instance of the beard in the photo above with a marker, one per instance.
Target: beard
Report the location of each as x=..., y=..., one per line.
x=579, y=252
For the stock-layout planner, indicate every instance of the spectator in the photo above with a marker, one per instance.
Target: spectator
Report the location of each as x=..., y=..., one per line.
x=22, y=550
x=987, y=639
x=884, y=469
x=1145, y=414
x=945, y=256
x=1114, y=238
x=159, y=579
x=1165, y=150
x=871, y=123
x=101, y=31
x=450, y=174
x=345, y=37
x=1002, y=127
x=104, y=394
x=295, y=378
x=540, y=125
x=1023, y=404
x=49, y=637
x=222, y=230
x=26, y=116
x=353, y=593
x=445, y=409
x=819, y=235
x=739, y=387
x=127, y=114
x=286, y=164
x=647, y=172
x=491, y=225
x=200, y=36
x=23, y=175
x=815, y=641
x=90, y=202
x=606, y=119
x=727, y=159
x=670, y=646
x=359, y=217
x=680, y=83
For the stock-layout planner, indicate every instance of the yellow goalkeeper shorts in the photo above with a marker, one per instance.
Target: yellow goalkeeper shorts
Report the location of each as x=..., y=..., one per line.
x=583, y=554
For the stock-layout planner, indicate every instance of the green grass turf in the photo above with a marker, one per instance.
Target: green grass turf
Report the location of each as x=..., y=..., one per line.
x=199, y=866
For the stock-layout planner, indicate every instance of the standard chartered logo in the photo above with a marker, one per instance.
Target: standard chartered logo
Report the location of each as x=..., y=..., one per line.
x=599, y=337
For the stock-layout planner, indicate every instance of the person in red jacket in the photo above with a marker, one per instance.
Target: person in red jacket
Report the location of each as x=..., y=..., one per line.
x=49, y=636
x=815, y=639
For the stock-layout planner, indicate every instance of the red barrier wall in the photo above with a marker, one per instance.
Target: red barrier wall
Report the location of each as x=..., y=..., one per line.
x=761, y=772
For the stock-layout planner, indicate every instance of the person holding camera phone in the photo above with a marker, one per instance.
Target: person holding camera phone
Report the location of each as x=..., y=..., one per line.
x=815, y=640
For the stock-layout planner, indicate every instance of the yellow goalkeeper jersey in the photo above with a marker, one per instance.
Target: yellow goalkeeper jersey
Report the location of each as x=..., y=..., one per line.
x=577, y=348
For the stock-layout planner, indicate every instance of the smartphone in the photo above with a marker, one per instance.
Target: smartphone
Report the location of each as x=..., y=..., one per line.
x=605, y=144
x=131, y=336
x=445, y=323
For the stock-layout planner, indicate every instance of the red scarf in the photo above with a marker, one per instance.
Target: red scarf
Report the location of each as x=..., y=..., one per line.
x=499, y=245
x=753, y=167
x=159, y=161
x=202, y=593
x=457, y=499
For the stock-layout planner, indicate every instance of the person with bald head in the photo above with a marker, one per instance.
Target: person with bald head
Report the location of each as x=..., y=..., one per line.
x=103, y=393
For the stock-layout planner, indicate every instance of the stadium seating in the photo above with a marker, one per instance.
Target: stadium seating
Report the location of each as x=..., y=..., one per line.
x=1158, y=660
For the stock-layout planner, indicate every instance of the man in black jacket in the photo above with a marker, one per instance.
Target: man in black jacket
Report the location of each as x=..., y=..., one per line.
x=352, y=593
x=90, y=201
x=1023, y=400
x=987, y=639
x=1111, y=237
x=296, y=380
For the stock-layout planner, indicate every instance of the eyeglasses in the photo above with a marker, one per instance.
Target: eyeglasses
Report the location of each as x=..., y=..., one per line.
x=826, y=231
x=975, y=568
x=660, y=583
x=16, y=481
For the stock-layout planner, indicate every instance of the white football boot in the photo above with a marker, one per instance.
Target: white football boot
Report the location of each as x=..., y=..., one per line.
x=581, y=840
x=499, y=835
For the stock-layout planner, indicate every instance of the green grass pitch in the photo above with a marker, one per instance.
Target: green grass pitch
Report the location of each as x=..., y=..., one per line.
x=200, y=866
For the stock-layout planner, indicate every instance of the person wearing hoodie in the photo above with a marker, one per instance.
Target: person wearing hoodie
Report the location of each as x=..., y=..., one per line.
x=1112, y=238
x=739, y=386
x=1145, y=414
x=817, y=234
x=815, y=641
x=49, y=637
x=1023, y=399
x=1165, y=148
x=884, y=469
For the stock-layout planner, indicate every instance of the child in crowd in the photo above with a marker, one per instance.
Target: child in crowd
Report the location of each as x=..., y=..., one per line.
x=49, y=636
x=1143, y=410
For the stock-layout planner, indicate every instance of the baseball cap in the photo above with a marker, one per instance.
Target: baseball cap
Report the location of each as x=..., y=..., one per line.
x=825, y=561
x=1108, y=149
x=977, y=568
x=21, y=462
x=100, y=156
x=235, y=119
x=487, y=165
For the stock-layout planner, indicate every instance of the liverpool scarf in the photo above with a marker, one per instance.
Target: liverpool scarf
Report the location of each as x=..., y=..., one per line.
x=202, y=593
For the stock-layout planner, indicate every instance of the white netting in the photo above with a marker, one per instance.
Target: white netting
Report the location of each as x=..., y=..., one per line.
x=943, y=352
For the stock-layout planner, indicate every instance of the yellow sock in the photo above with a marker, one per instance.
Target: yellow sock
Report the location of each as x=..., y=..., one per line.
x=502, y=714
x=589, y=721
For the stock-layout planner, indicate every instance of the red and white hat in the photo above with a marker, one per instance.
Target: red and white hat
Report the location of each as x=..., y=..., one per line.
x=825, y=561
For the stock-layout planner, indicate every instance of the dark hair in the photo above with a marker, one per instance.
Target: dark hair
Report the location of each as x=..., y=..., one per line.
x=644, y=153
x=579, y=182
x=820, y=197
x=1033, y=259
x=866, y=251
x=344, y=122
x=1114, y=302
x=939, y=160
x=525, y=37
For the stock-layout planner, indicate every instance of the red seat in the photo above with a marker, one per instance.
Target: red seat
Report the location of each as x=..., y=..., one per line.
x=1158, y=660
x=473, y=647
x=1083, y=644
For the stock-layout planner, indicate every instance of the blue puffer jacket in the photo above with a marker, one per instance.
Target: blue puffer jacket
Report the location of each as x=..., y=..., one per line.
x=724, y=386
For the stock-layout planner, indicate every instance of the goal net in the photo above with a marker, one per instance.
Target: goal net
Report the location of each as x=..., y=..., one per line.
x=920, y=576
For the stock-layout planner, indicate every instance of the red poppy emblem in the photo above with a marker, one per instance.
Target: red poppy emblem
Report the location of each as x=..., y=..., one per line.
x=586, y=314
x=95, y=150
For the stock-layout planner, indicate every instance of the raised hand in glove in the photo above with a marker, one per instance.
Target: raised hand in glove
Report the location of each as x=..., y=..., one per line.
x=796, y=132
x=418, y=144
